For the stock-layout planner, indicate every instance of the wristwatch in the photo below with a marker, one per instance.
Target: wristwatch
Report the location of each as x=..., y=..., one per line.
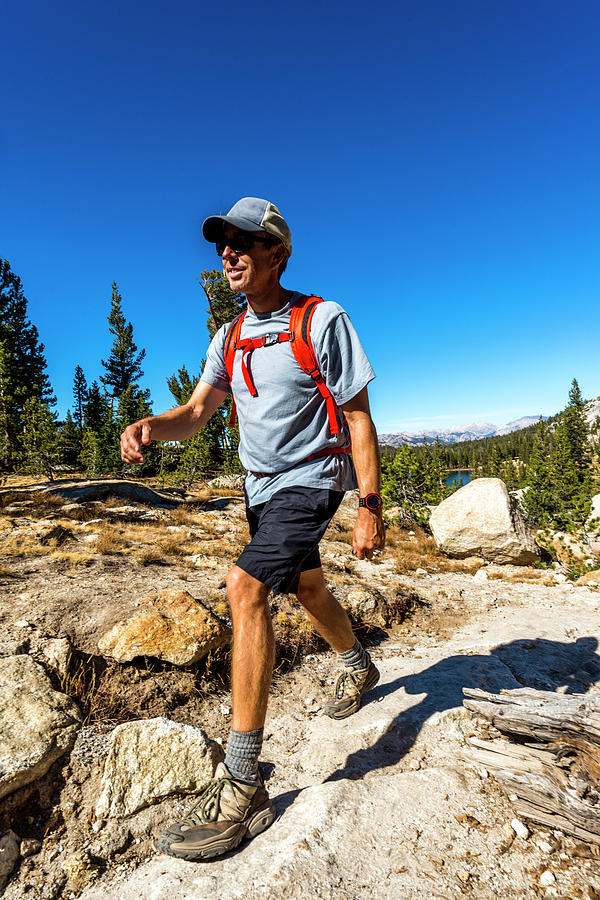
x=373, y=502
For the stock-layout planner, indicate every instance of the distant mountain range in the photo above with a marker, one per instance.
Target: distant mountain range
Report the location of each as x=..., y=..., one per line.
x=471, y=432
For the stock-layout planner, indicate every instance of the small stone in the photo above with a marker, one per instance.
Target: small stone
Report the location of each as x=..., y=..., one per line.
x=560, y=578
x=9, y=855
x=421, y=572
x=80, y=870
x=480, y=577
x=29, y=846
x=520, y=829
x=225, y=709
x=463, y=875
x=23, y=623
x=508, y=833
x=545, y=846
x=546, y=878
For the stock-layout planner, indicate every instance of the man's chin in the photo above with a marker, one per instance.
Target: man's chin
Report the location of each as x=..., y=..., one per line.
x=236, y=284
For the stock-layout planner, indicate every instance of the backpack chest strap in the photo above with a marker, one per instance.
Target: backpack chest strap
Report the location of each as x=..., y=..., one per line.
x=249, y=345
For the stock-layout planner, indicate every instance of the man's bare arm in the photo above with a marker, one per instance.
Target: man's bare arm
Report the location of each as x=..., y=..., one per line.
x=369, y=533
x=174, y=425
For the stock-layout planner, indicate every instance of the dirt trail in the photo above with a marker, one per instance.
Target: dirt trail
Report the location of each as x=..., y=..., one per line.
x=382, y=805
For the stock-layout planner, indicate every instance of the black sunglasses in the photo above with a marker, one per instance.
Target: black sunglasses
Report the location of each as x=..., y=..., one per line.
x=241, y=242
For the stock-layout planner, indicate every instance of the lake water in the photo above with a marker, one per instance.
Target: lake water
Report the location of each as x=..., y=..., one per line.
x=458, y=479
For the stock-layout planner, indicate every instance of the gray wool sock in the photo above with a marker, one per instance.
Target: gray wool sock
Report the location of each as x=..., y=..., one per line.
x=356, y=657
x=243, y=750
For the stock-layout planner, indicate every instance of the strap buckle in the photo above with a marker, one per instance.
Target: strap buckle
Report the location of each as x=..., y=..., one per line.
x=269, y=339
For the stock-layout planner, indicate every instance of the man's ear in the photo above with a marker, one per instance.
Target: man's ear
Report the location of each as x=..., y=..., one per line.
x=279, y=255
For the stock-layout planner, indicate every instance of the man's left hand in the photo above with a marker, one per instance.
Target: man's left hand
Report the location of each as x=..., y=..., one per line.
x=369, y=534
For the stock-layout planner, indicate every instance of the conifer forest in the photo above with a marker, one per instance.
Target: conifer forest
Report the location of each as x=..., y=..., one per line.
x=554, y=465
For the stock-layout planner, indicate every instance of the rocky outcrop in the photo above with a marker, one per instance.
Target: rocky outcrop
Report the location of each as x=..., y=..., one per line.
x=37, y=723
x=84, y=490
x=481, y=519
x=151, y=759
x=172, y=626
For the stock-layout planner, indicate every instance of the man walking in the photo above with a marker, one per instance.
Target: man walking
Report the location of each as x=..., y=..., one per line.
x=301, y=398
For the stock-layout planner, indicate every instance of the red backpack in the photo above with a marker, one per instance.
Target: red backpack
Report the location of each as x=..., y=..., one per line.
x=299, y=338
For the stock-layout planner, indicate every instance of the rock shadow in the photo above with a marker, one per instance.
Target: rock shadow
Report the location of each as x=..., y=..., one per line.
x=538, y=663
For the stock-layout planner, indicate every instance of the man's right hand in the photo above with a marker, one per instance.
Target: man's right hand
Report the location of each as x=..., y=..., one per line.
x=132, y=439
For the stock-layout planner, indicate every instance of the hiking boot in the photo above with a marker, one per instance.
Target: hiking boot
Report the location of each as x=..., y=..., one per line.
x=349, y=690
x=226, y=812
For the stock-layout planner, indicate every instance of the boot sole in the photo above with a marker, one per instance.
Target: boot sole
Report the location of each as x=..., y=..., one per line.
x=369, y=684
x=258, y=822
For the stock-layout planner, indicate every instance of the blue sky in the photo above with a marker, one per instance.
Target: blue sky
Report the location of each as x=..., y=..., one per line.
x=437, y=163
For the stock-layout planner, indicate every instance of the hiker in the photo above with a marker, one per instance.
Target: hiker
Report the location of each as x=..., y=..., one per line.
x=299, y=377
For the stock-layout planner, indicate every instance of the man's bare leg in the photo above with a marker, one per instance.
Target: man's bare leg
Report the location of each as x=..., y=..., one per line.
x=331, y=621
x=253, y=649
x=325, y=613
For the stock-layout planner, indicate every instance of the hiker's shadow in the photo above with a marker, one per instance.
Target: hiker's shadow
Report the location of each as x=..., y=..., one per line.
x=538, y=663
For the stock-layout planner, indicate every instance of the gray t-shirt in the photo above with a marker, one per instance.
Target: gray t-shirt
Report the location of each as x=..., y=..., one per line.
x=288, y=421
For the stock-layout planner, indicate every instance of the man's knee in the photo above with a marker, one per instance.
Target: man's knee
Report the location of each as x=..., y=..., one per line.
x=244, y=591
x=311, y=587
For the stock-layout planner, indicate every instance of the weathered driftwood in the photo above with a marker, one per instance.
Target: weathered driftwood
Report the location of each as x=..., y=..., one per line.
x=556, y=777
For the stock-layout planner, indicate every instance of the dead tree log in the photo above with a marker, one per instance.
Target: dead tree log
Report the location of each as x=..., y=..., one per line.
x=552, y=766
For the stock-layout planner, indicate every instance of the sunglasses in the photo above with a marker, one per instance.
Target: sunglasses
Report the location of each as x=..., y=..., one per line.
x=240, y=242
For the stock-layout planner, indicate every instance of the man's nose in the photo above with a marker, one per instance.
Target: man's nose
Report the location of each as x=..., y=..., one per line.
x=227, y=252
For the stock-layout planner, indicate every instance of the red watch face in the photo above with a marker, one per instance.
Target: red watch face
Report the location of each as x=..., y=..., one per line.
x=373, y=502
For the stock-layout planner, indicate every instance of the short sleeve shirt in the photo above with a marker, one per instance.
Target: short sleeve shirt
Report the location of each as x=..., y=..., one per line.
x=287, y=421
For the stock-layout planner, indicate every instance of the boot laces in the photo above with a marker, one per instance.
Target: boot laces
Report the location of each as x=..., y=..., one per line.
x=340, y=685
x=208, y=805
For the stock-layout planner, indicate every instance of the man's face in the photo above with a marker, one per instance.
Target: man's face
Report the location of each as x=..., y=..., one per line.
x=248, y=271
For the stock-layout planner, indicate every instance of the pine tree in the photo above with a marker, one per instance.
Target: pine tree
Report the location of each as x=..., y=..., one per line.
x=24, y=364
x=404, y=484
x=204, y=452
x=435, y=474
x=69, y=441
x=101, y=452
x=90, y=456
x=123, y=367
x=80, y=398
x=539, y=500
x=224, y=303
x=40, y=439
x=95, y=408
x=571, y=462
x=5, y=406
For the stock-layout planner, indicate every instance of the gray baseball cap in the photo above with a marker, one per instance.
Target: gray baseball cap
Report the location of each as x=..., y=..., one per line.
x=250, y=214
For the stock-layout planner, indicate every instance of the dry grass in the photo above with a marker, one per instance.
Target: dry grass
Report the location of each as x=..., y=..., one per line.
x=151, y=556
x=182, y=515
x=204, y=494
x=294, y=638
x=75, y=561
x=19, y=546
x=419, y=551
x=111, y=540
x=96, y=692
x=222, y=609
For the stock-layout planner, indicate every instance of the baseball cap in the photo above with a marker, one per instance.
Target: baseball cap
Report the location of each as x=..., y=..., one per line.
x=250, y=214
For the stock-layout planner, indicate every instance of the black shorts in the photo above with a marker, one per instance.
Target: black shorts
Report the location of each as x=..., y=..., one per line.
x=285, y=533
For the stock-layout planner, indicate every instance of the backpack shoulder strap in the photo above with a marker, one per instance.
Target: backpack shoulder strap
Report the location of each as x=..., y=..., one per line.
x=302, y=347
x=232, y=336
